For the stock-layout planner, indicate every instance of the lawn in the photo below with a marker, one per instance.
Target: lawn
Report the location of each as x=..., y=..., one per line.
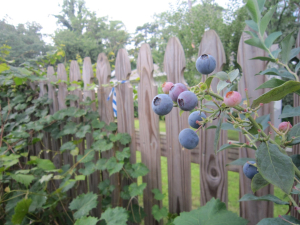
x=233, y=181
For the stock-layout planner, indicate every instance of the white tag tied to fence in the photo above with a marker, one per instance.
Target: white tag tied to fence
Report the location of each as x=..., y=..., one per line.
x=113, y=93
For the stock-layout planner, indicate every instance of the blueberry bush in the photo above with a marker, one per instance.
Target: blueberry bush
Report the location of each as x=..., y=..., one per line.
x=272, y=165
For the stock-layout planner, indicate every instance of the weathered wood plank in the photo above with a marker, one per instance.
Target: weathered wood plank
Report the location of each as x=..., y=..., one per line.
x=94, y=179
x=213, y=171
x=149, y=131
x=178, y=159
x=125, y=108
x=106, y=113
x=76, y=76
x=254, y=211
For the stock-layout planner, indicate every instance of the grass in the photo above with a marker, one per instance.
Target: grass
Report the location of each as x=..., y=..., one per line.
x=233, y=181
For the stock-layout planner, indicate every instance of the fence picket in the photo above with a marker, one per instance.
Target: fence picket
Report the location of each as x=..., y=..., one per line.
x=149, y=131
x=213, y=172
x=179, y=160
x=254, y=211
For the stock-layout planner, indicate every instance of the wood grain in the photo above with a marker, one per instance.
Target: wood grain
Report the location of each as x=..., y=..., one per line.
x=213, y=170
x=254, y=211
x=76, y=76
x=149, y=131
x=125, y=108
x=179, y=167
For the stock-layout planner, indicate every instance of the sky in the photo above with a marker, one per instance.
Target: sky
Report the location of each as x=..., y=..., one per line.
x=132, y=13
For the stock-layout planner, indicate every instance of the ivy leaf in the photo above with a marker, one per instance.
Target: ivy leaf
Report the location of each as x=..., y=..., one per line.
x=105, y=187
x=101, y=164
x=279, y=221
x=79, y=113
x=136, y=214
x=88, y=169
x=45, y=164
x=97, y=134
x=274, y=166
x=117, y=215
x=97, y=124
x=111, y=127
x=124, y=138
x=125, y=193
x=89, y=156
x=135, y=190
x=102, y=145
x=159, y=213
x=38, y=200
x=87, y=221
x=82, y=131
x=138, y=169
x=157, y=194
x=113, y=166
x=72, y=97
x=23, y=178
x=21, y=210
x=125, y=154
x=70, y=128
x=277, y=93
x=258, y=182
x=213, y=213
x=67, y=146
x=83, y=204
x=272, y=198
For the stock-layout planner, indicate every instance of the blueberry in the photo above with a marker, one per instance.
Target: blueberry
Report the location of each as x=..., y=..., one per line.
x=175, y=91
x=166, y=87
x=162, y=104
x=206, y=64
x=188, y=138
x=187, y=101
x=249, y=170
x=194, y=116
x=232, y=98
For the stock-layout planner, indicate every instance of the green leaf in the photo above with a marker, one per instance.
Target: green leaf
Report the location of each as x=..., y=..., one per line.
x=117, y=215
x=101, y=164
x=83, y=204
x=297, y=67
x=226, y=146
x=70, y=128
x=221, y=85
x=213, y=213
x=3, y=67
x=45, y=164
x=82, y=131
x=286, y=46
x=261, y=4
x=277, y=93
x=72, y=97
x=38, y=200
x=87, y=221
x=281, y=72
x=253, y=10
x=105, y=187
x=137, y=170
x=294, y=53
x=229, y=126
x=218, y=132
x=279, y=221
x=88, y=154
x=136, y=214
x=125, y=154
x=222, y=75
x=271, y=83
x=46, y=178
x=80, y=177
x=74, y=152
x=113, y=166
x=208, y=81
x=271, y=38
x=21, y=210
x=271, y=198
x=125, y=193
x=111, y=127
x=233, y=74
x=266, y=20
x=157, y=194
x=102, y=145
x=96, y=124
x=67, y=146
x=258, y=182
x=294, y=132
x=135, y=190
x=88, y=169
x=274, y=166
x=79, y=113
x=124, y=138
x=289, y=111
x=23, y=178
x=212, y=127
x=256, y=42
x=240, y=161
x=263, y=58
x=158, y=213
x=252, y=25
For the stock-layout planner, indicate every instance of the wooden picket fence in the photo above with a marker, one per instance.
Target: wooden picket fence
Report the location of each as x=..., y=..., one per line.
x=148, y=140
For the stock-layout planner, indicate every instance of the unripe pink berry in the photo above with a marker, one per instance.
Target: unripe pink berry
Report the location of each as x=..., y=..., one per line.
x=166, y=87
x=284, y=126
x=232, y=98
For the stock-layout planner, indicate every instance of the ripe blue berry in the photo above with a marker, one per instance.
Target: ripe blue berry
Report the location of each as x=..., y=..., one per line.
x=175, y=91
x=249, y=170
x=194, y=116
x=162, y=104
x=188, y=138
x=206, y=64
x=187, y=100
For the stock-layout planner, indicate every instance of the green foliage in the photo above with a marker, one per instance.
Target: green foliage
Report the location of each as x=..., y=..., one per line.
x=272, y=198
x=83, y=204
x=114, y=216
x=21, y=210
